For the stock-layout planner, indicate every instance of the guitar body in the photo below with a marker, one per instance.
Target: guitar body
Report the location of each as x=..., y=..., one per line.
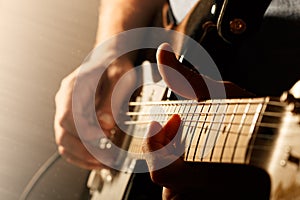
x=249, y=183
x=128, y=185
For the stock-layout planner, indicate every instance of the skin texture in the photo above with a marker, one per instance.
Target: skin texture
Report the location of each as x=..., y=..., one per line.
x=170, y=177
x=67, y=139
x=69, y=144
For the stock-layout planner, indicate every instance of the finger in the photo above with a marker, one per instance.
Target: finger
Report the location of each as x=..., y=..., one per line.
x=159, y=137
x=71, y=145
x=89, y=131
x=73, y=159
x=154, y=140
x=103, y=103
x=168, y=194
x=74, y=146
x=192, y=85
x=179, y=78
x=116, y=88
x=172, y=126
x=72, y=113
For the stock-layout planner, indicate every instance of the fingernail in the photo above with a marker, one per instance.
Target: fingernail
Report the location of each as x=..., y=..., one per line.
x=165, y=47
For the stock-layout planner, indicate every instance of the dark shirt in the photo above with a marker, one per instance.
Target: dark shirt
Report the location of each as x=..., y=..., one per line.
x=268, y=62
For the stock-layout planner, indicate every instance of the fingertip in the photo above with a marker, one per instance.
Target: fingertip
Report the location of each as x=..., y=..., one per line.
x=176, y=117
x=165, y=54
x=165, y=47
x=154, y=128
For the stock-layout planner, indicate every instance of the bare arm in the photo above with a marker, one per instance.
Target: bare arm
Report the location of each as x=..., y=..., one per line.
x=116, y=16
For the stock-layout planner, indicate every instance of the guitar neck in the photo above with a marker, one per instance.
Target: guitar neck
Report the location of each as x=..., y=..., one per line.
x=213, y=130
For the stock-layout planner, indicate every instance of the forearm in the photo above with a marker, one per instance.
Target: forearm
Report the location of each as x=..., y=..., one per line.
x=116, y=16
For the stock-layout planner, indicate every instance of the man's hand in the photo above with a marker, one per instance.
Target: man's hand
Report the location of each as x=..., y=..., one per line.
x=191, y=85
x=70, y=145
x=169, y=177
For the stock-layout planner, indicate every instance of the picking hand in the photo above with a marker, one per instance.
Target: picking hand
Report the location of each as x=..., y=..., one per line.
x=72, y=147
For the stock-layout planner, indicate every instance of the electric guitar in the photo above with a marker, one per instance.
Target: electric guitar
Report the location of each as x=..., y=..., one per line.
x=248, y=136
x=263, y=133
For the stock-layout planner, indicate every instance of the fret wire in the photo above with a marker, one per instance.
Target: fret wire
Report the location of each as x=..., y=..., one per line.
x=230, y=125
x=278, y=104
x=137, y=143
x=159, y=116
x=240, y=129
x=268, y=113
x=204, y=129
x=264, y=147
x=271, y=125
x=212, y=101
x=208, y=135
x=192, y=133
x=198, y=135
x=141, y=156
x=263, y=107
x=231, y=132
x=185, y=135
x=260, y=136
x=218, y=131
x=141, y=123
x=257, y=147
x=138, y=153
x=262, y=124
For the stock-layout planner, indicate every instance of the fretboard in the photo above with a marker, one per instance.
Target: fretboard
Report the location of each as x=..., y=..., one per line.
x=213, y=130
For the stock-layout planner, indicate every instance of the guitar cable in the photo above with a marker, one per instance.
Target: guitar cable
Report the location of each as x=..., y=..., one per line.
x=39, y=174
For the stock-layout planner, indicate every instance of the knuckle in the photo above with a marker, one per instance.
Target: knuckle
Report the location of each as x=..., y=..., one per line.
x=61, y=151
x=159, y=178
x=156, y=178
x=60, y=138
x=64, y=119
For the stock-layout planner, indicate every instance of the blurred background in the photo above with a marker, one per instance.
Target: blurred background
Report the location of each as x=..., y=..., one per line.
x=40, y=43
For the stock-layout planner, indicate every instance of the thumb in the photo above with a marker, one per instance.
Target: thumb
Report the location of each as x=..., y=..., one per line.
x=178, y=77
x=190, y=84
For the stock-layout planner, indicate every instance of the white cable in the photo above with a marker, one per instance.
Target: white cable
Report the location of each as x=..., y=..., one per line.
x=37, y=176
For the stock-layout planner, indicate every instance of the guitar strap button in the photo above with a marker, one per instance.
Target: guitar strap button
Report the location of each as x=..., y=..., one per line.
x=237, y=26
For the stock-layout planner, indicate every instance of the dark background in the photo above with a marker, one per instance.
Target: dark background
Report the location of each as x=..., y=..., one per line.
x=40, y=43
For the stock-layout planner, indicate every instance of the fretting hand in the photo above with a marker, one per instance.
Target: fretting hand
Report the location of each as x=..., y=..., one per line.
x=178, y=172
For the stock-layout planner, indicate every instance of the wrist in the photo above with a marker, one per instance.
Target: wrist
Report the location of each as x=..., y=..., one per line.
x=120, y=66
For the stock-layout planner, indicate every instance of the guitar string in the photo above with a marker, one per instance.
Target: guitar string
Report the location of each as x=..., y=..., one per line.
x=206, y=114
x=188, y=128
x=210, y=127
x=199, y=135
x=240, y=130
x=229, y=130
x=260, y=136
x=230, y=147
x=257, y=147
x=261, y=125
x=222, y=159
x=193, y=131
x=267, y=113
x=209, y=102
